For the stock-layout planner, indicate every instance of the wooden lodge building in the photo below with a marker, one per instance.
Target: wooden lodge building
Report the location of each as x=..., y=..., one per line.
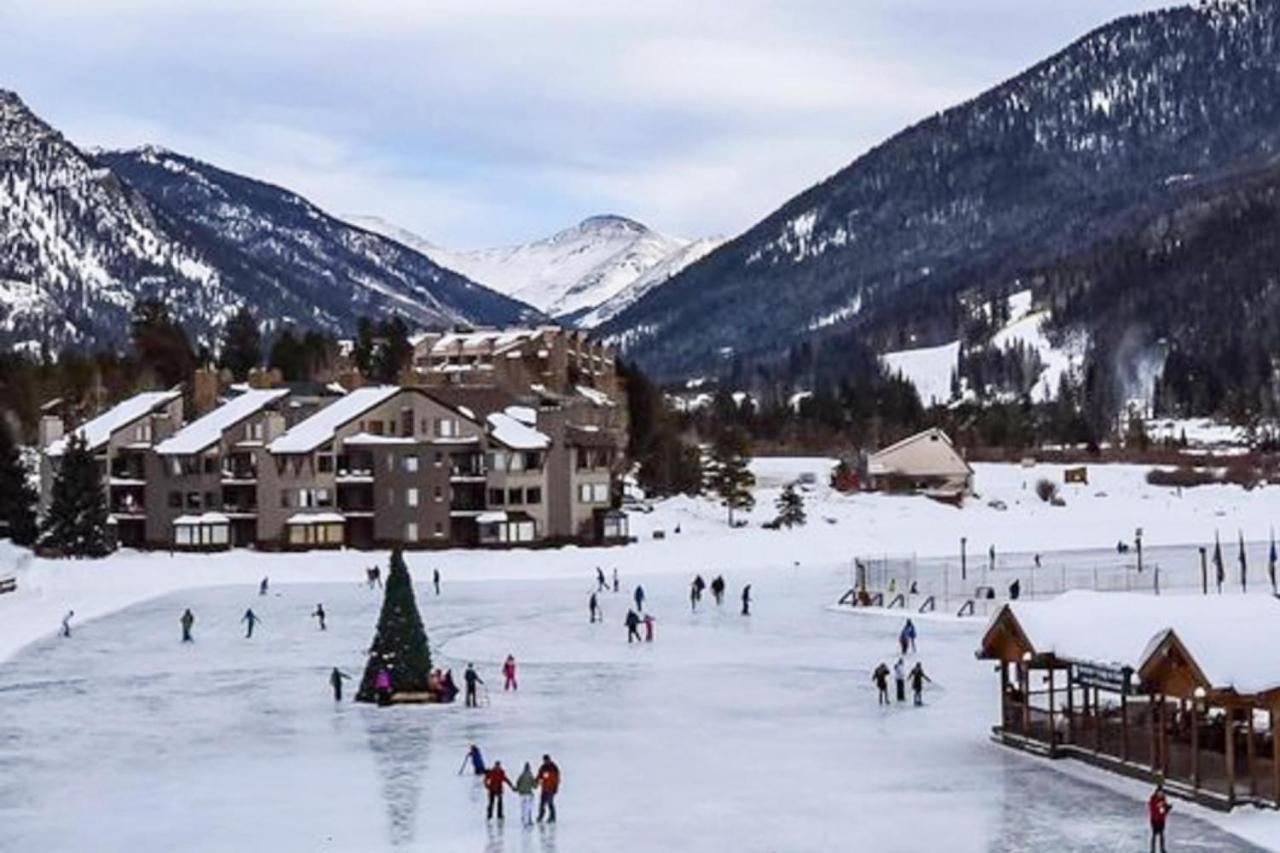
x=1179, y=689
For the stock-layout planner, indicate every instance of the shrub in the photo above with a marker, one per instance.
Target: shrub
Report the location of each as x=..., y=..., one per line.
x=1183, y=477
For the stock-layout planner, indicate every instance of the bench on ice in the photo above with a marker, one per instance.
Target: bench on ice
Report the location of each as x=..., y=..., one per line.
x=9, y=584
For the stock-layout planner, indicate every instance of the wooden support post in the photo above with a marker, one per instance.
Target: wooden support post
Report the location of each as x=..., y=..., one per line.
x=1164, y=736
x=1249, y=754
x=1195, y=743
x=1097, y=720
x=1004, y=694
x=1053, y=732
x=1071, y=706
x=1230, y=755
x=1124, y=725
x=1275, y=759
x=1025, y=672
x=1154, y=725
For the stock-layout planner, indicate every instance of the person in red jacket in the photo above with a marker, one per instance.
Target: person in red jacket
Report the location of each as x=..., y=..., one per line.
x=549, y=781
x=509, y=673
x=1158, y=809
x=494, y=779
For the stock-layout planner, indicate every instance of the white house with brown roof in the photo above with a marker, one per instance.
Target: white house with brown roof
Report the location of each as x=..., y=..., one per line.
x=925, y=462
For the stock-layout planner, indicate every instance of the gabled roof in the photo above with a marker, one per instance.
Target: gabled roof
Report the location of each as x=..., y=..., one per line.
x=928, y=453
x=208, y=430
x=1226, y=637
x=308, y=434
x=98, y=431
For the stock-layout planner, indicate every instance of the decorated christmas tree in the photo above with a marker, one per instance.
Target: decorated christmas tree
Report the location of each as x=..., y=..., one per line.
x=400, y=642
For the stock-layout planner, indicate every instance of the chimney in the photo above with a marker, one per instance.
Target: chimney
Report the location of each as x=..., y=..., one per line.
x=204, y=391
x=51, y=429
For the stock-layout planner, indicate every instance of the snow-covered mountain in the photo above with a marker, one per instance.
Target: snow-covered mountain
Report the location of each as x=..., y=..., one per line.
x=78, y=247
x=572, y=274
x=84, y=236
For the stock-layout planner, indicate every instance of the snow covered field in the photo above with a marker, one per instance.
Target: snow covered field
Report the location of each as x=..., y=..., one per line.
x=757, y=733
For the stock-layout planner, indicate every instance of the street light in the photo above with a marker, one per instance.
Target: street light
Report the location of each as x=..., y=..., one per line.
x=1137, y=537
x=964, y=573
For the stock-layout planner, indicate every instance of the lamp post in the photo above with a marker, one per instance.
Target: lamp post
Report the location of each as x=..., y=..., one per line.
x=964, y=572
x=1137, y=540
x=1204, y=569
x=1197, y=703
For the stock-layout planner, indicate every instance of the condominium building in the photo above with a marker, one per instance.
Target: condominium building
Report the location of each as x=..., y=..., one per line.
x=421, y=467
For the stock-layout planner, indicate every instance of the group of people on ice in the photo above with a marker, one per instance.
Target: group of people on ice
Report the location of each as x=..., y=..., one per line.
x=637, y=615
x=901, y=675
x=545, y=782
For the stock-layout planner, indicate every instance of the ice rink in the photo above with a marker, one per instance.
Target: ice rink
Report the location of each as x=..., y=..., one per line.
x=757, y=733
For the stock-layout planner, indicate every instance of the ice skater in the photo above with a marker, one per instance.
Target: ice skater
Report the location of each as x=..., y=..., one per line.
x=475, y=759
x=526, y=784
x=648, y=627
x=471, y=678
x=991, y=556
x=1015, y=589
x=593, y=607
x=435, y=580
x=632, y=622
x=639, y=597
x=494, y=779
x=250, y=619
x=693, y=598
x=319, y=614
x=907, y=638
x=549, y=781
x=918, y=678
x=900, y=680
x=600, y=584
x=509, y=674
x=1158, y=808
x=335, y=681
x=262, y=587
x=188, y=619
x=66, y=624
x=717, y=590
x=616, y=586
x=881, y=678
x=746, y=600
x=382, y=685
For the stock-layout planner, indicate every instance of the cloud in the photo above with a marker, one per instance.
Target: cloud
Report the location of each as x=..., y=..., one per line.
x=491, y=121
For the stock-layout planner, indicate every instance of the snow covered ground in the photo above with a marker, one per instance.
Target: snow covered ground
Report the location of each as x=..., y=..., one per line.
x=757, y=733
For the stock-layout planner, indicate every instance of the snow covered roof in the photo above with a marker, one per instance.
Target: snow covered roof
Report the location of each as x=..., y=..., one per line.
x=480, y=342
x=509, y=431
x=205, y=518
x=524, y=414
x=364, y=438
x=309, y=434
x=315, y=518
x=1223, y=634
x=98, y=431
x=928, y=453
x=206, y=430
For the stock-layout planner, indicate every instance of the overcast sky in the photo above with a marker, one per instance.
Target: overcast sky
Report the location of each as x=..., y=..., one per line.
x=479, y=123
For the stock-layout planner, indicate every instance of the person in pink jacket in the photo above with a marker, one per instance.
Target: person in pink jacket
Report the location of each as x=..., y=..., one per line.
x=509, y=674
x=382, y=685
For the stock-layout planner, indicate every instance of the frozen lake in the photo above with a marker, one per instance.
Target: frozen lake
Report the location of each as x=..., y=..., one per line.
x=728, y=733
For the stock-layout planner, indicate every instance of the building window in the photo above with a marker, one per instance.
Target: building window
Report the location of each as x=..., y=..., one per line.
x=593, y=493
x=439, y=494
x=533, y=495
x=532, y=461
x=193, y=500
x=516, y=462
x=411, y=531
x=497, y=461
x=497, y=497
x=210, y=464
x=411, y=464
x=284, y=499
x=515, y=496
x=439, y=460
x=446, y=428
x=324, y=464
x=175, y=500
x=210, y=500
x=439, y=531
x=175, y=466
x=411, y=497
x=375, y=427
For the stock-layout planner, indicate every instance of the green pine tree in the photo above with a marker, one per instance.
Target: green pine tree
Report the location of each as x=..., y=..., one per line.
x=400, y=641
x=241, y=344
x=17, y=497
x=790, y=506
x=76, y=524
x=728, y=476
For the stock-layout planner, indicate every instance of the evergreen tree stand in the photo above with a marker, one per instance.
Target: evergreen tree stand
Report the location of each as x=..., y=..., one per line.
x=400, y=642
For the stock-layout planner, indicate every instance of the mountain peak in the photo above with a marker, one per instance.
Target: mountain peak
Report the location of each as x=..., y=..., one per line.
x=611, y=221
